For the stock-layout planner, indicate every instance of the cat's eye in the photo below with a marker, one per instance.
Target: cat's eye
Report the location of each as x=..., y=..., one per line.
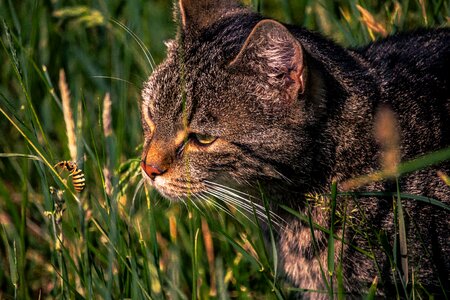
x=203, y=139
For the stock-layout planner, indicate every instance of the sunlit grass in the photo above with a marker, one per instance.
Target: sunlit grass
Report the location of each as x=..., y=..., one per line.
x=118, y=238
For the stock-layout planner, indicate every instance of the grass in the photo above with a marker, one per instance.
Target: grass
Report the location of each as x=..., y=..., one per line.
x=118, y=239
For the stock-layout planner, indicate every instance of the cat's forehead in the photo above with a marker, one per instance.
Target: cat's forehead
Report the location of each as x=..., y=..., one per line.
x=160, y=99
x=198, y=101
x=189, y=71
x=194, y=83
x=195, y=57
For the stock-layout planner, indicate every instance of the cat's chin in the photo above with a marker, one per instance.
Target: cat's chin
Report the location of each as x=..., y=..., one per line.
x=175, y=196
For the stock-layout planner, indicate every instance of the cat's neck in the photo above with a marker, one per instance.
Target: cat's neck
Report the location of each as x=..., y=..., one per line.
x=350, y=98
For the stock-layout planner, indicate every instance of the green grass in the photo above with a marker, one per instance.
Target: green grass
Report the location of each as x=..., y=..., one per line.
x=125, y=241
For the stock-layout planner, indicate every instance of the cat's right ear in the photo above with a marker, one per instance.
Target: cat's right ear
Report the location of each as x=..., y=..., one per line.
x=272, y=50
x=198, y=14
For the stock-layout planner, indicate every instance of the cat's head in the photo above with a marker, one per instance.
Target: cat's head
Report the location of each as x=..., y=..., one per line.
x=227, y=105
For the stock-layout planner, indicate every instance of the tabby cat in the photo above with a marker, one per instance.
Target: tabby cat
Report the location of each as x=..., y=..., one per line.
x=243, y=102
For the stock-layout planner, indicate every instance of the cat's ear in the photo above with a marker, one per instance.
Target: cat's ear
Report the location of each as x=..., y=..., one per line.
x=199, y=14
x=272, y=50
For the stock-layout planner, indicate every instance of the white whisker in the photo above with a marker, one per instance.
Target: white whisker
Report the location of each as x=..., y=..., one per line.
x=138, y=189
x=258, y=206
x=241, y=206
x=234, y=197
x=216, y=205
x=234, y=193
x=283, y=177
x=192, y=201
x=227, y=211
x=209, y=183
x=140, y=43
x=180, y=199
x=228, y=198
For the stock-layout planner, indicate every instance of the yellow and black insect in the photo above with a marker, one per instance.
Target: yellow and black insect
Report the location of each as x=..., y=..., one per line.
x=78, y=179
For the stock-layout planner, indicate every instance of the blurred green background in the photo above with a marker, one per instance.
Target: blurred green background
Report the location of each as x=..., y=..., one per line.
x=126, y=242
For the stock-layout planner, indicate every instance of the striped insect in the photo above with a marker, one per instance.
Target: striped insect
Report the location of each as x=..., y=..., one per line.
x=78, y=179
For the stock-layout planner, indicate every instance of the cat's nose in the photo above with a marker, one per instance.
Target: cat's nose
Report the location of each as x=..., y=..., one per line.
x=151, y=171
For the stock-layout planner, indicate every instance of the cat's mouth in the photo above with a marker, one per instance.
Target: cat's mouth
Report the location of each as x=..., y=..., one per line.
x=209, y=192
x=175, y=189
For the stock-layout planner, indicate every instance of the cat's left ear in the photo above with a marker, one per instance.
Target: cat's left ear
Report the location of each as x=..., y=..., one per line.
x=272, y=50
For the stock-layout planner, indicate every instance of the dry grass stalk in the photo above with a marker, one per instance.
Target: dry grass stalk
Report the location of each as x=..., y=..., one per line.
x=424, y=11
x=387, y=134
x=57, y=214
x=397, y=14
x=106, y=116
x=173, y=228
x=107, y=131
x=68, y=115
x=210, y=255
x=5, y=219
x=372, y=25
x=444, y=177
x=108, y=184
x=354, y=183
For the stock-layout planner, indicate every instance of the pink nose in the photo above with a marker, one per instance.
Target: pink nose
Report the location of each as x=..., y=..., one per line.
x=151, y=171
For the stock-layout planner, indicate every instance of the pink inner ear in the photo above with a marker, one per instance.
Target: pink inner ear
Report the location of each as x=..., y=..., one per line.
x=273, y=50
x=282, y=54
x=181, y=5
x=297, y=74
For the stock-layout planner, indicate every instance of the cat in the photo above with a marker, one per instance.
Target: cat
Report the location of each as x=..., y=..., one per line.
x=243, y=102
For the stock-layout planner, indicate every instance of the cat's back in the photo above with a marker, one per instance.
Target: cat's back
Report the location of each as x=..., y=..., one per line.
x=412, y=71
x=426, y=52
x=414, y=64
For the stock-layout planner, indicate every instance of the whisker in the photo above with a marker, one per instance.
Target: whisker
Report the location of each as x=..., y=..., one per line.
x=199, y=203
x=138, y=189
x=205, y=200
x=240, y=206
x=227, y=211
x=141, y=44
x=234, y=193
x=228, y=188
x=248, y=204
x=283, y=177
x=224, y=196
x=180, y=199
x=114, y=78
x=192, y=201
x=258, y=206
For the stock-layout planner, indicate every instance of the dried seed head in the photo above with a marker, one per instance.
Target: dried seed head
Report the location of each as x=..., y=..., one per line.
x=387, y=135
x=68, y=115
x=372, y=25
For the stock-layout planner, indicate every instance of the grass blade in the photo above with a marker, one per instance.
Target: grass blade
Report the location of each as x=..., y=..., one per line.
x=402, y=237
x=24, y=132
x=372, y=290
x=317, y=251
x=330, y=252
